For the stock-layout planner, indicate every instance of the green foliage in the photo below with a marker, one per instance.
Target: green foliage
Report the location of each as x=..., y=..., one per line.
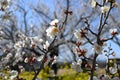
x=26, y=75
x=65, y=73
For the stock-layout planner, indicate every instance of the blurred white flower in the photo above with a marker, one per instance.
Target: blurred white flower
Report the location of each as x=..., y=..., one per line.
x=115, y=4
x=26, y=60
x=9, y=55
x=93, y=4
x=79, y=61
x=18, y=44
x=95, y=78
x=77, y=65
x=27, y=38
x=55, y=57
x=54, y=22
x=8, y=0
x=46, y=45
x=13, y=74
x=5, y=4
x=113, y=31
x=113, y=70
x=55, y=60
x=2, y=33
x=115, y=78
x=97, y=48
x=21, y=68
x=105, y=9
x=105, y=77
x=52, y=31
x=78, y=35
x=119, y=66
x=36, y=39
x=39, y=58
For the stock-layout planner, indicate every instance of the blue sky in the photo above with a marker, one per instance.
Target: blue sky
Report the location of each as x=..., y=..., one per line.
x=51, y=3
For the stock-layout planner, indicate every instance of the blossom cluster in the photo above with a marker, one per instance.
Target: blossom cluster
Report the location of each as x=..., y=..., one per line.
x=105, y=8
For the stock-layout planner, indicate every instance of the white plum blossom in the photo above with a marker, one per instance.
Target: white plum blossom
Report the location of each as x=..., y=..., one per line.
x=95, y=78
x=105, y=9
x=36, y=39
x=26, y=60
x=105, y=77
x=8, y=0
x=40, y=58
x=113, y=31
x=97, y=48
x=13, y=74
x=93, y=4
x=5, y=4
x=115, y=4
x=52, y=31
x=113, y=70
x=78, y=35
x=119, y=66
x=18, y=44
x=9, y=56
x=55, y=60
x=46, y=45
x=2, y=33
x=77, y=65
x=79, y=61
x=54, y=22
x=115, y=78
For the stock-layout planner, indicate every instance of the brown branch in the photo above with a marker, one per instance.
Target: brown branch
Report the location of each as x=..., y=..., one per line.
x=88, y=40
x=108, y=38
x=41, y=66
x=88, y=26
x=42, y=62
x=66, y=17
x=93, y=66
x=102, y=25
x=65, y=20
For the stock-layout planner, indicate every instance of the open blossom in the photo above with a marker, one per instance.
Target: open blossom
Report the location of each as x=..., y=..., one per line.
x=26, y=60
x=115, y=78
x=115, y=4
x=78, y=35
x=97, y=48
x=105, y=9
x=9, y=56
x=113, y=31
x=46, y=45
x=54, y=22
x=4, y=4
x=36, y=39
x=30, y=59
x=93, y=4
x=81, y=52
x=2, y=33
x=40, y=58
x=77, y=65
x=52, y=31
x=18, y=44
x=55, y=60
